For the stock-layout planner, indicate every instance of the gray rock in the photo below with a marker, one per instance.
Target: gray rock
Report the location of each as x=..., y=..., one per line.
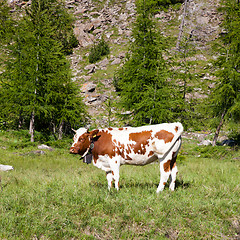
x=103, y=63
x=116, y=61
x=205, y=143
x=90, y=67
x=5, y=167
x=82, y=36
x=88, y=87
x=43, y=146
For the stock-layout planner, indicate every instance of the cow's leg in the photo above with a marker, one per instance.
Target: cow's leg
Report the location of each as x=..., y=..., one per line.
x=169, y=167
x=109, y=179
x=164, y=172
x=173, y=166
x=173, y=178
x=115, y=166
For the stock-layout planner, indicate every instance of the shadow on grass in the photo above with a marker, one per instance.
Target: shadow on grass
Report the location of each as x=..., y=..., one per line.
x=180, y=184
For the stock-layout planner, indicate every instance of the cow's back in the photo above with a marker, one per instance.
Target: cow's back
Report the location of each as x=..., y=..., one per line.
x=140, y=145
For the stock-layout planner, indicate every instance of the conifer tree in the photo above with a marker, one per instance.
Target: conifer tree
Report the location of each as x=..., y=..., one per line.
x=5, y=20
x=6, y=28
x=142, y=81
x=37, y=82
x=60, y=19
x=225, y=99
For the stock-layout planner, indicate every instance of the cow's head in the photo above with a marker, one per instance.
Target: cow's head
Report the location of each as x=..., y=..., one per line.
x=82, y=140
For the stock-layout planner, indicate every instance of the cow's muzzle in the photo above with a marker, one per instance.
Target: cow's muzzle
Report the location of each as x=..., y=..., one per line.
x=72, y=150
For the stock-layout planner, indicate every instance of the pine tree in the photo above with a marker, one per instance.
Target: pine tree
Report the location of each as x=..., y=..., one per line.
x=37, y=80
x=142, y=82
x=225, y=99
x=6, y=28
x=58, y=18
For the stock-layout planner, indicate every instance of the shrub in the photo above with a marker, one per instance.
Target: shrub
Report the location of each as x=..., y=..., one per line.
x=97, y=51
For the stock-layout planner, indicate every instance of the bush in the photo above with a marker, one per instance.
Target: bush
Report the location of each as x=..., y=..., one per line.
x=97, y=51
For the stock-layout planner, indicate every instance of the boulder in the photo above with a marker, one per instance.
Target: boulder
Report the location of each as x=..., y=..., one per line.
x=5, y=167
x=103, y=63
x=228, y=142
x=82, y=36
x=43, y=146
x=88, y=87
x=90, y=67
x=116, y=61
x=205, y=143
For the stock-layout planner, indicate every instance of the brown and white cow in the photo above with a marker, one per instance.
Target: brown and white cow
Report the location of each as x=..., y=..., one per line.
x=113, y=147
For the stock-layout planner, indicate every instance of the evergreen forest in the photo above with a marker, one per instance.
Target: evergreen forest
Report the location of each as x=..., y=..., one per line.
x=152, y=85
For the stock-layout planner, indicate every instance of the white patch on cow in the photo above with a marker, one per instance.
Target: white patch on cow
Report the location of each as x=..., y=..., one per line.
x=103, y=162
x=79, y=132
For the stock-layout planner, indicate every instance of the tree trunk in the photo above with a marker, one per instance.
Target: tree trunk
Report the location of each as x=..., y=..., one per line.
x=60, y=132
x=20, y=121
x=218, y=128
x=32, y=126
x=181, y=26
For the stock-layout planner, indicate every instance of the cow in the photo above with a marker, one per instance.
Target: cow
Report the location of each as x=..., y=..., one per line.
x=112, y=147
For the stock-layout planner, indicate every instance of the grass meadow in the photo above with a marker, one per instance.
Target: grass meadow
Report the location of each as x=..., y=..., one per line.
x=56, y=196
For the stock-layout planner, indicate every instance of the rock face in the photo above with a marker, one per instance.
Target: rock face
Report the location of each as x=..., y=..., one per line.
x=203, y=21
x=113, y=21
x=91, y=24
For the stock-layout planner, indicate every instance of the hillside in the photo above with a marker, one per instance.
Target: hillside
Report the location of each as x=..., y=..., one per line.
x=112, y=20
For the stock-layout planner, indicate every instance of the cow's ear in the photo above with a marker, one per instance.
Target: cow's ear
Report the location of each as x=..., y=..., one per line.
x=93, y=135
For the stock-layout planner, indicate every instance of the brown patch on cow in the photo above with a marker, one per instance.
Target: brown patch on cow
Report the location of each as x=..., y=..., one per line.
x=164, y=135
x=150, y=153
x=121, y=128
x=166, y=166
x=164, y=183
x=173, y=161
x=128, y=149
x=141, y=138
x=104, y=145
x=116, y=162
x=110, y=129
x=170, y=164
x=81, y=146
x=176, y=128
x=120, y=150
x=112, y=173
x=128, y=158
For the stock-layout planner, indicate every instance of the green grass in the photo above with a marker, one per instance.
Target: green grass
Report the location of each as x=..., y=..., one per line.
x=56, y=196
